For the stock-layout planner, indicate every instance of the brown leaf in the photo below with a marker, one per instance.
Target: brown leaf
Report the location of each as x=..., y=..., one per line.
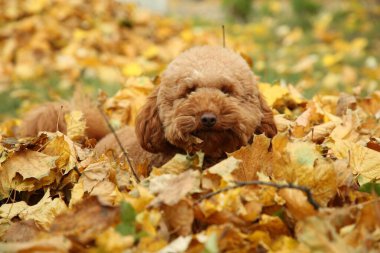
x=59, y=244
x=85, y=221
x=273, y=225
x=345, y=102
x=172, y=188
x=22, y=231
x=254, y=158
x=179, y=217
x=297, y=203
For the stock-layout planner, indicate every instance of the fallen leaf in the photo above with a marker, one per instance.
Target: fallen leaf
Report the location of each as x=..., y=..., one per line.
x=43, y=212
x=363, y=161
x=179, y=217
x=225, y=168
x=63, y=148
x=180, y=244
x=22, y=231
x=53, y=244
x=29, y=164
x=85, y=221
x=170, y=189
x=255, y=157
x=76, y=125
x=297, y=203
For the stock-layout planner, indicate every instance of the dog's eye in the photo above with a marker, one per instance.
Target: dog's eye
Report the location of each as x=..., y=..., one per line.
x=190, y=89
x=226, y=90
x=187, y=90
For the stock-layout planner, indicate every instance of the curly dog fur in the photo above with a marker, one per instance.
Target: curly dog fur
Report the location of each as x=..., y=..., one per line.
x=207, y=100
x=50, y=117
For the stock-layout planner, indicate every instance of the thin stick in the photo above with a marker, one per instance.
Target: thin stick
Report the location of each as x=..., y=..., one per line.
x=238, y=184
x=125, y=153
x=59, y=117
x=224, y=36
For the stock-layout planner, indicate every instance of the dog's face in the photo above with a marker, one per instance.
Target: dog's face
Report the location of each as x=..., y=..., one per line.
x=208, y=100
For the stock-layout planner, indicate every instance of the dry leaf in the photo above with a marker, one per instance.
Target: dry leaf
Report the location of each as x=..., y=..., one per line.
x=43, y=212
x=76, y=125
x=255, y=157
x=225, y=168
x=59, y=244
x=179, y=217
x=363, y=161
x=170, y=189
x=85, y=221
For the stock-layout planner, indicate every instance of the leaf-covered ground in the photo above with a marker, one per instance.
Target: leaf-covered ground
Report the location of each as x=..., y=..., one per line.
x=56, y=196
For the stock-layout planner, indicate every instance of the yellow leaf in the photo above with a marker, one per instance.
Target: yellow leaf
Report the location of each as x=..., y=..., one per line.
x=180, y=244
x=331, y=59
x=43, y=212
x=149, y=221
x=132, y=69
x=297, y=203
x=139, y=198
x=179, y=163
x=225, y=168
x=112, y=241
x=286, y=244
x=362, y=160
x=76, y=125
x=29, y=164
x=34, y=6
x=151, y=52
x=272, y=92
x=301, y=163
x=62, y=148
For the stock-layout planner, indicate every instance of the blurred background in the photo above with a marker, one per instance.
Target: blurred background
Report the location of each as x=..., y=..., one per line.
x=49, y=47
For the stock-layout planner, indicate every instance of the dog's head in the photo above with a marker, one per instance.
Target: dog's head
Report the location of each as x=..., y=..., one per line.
x=208, y=100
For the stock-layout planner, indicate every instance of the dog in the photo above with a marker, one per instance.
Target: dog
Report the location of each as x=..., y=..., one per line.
x=208, y=100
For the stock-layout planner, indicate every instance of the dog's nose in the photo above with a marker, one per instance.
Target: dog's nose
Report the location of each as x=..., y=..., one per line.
x=208, y=119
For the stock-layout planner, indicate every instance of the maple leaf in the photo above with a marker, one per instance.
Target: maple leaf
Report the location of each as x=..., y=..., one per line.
x=26, y=171
x=43, y=212
x=363, y=161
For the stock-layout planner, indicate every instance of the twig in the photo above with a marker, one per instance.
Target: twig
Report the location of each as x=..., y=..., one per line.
x=224, y=36
x=59, y=117
x=120, y=145
x=238, y=184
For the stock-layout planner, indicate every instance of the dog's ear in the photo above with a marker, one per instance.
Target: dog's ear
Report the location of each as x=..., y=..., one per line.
x=149, y=129
x=267, y=125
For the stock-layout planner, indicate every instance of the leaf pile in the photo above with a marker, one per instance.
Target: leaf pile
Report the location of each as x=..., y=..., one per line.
x=64, y=198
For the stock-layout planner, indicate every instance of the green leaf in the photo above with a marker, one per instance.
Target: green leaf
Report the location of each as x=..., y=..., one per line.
x=211, y=246
x=370, y=188
x=128, y=220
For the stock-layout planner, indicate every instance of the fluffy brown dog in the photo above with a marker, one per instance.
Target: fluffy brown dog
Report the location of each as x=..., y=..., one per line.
x=207, y=100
